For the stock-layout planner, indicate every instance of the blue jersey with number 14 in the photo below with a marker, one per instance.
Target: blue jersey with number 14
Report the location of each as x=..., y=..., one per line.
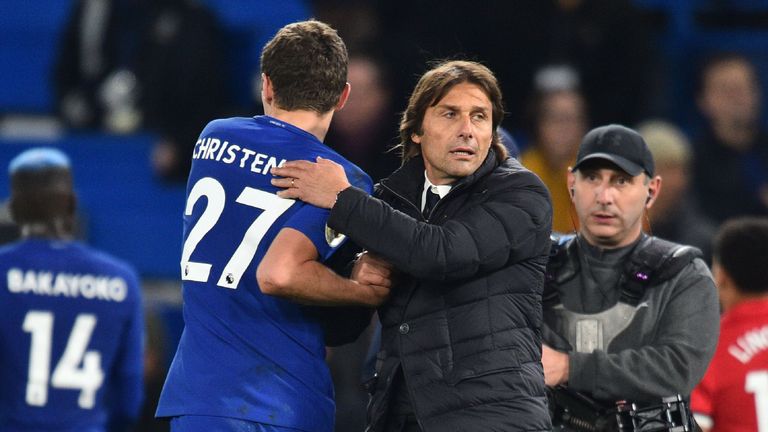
x=244, y=354
x=70, y=338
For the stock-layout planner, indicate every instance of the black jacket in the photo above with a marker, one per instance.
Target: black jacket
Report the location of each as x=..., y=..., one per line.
x=464, y=318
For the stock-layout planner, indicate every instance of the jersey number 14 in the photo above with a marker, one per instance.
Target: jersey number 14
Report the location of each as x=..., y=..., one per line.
x=68, y=373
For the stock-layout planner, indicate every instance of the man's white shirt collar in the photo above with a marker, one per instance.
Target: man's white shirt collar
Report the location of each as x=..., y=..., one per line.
x=440, y=190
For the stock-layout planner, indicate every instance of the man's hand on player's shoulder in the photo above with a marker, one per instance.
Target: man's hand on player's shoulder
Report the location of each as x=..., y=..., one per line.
x=317, y=183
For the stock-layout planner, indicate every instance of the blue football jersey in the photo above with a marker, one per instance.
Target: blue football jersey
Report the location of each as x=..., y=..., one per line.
x=70, y=338
x=244, y=354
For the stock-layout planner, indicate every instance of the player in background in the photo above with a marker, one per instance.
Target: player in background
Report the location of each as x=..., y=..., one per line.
x=71, y=328
x=733, y=395
x=250, y=358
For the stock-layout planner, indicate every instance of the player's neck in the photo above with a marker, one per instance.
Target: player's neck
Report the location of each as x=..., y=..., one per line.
x=310, y=121
x=55, y=230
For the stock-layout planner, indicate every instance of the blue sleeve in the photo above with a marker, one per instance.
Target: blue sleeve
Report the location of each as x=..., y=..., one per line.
x=129, y=366
x=359, y=179
x=310, y=221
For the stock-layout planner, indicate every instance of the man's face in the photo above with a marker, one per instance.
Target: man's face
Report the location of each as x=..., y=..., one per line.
x=610, y=203
x=730, y=94
x=562, y=125
x=367, y=101
x=456, y=134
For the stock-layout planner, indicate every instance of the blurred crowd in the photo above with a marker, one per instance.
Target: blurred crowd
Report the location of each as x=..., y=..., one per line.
x=169, y=66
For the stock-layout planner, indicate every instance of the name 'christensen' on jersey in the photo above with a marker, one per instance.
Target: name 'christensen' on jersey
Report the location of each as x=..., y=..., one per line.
x=214, y=149
x=87, y=286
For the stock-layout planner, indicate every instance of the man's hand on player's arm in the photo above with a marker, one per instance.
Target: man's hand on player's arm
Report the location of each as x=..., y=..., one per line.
x=374, y=272
x=556, y=366
x=317, y=183
x=290, y=270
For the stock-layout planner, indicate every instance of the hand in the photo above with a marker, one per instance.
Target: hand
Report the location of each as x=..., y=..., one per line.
x=376, y=273
x=314, y=183
x=556, y=366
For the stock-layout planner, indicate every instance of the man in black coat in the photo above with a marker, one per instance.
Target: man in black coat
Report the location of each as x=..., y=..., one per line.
x=468, y=229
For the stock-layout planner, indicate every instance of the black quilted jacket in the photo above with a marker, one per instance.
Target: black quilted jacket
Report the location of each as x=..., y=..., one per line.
x=464, y=318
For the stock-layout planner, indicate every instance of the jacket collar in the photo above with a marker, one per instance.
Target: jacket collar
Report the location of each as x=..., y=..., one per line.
x=408, y=180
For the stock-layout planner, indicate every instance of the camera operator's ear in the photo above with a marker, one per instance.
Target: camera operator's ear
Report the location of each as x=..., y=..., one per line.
x=654, y=188
x=571, y=180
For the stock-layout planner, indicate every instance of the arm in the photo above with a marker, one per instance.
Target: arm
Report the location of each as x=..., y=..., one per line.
x=677, y=356
x=290, y=270
x=512, y=224
x=343, y=325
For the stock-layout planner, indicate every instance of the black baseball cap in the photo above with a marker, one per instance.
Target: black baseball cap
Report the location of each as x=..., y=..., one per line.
x=618, y=144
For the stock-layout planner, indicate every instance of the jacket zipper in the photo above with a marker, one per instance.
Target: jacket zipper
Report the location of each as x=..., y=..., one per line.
x=404, y=199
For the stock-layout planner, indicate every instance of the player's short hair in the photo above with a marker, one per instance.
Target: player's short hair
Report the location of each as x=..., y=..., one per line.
x=741, y=248
x=307, y=64
x=432, y=88
x=41, y=186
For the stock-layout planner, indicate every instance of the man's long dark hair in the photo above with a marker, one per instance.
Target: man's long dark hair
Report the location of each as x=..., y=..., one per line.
x=432, y=88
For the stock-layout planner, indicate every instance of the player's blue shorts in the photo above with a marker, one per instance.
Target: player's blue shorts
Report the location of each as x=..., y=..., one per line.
x=195, y=423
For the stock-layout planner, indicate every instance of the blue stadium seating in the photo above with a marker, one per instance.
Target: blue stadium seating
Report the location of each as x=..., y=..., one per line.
x=29, y=35
x=30, y=32
x=128, y=212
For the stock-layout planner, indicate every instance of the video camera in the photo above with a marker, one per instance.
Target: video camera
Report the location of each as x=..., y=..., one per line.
x=574, y=411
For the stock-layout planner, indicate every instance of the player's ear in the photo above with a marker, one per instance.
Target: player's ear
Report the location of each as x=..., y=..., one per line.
x=344, y=96
x=267, y=90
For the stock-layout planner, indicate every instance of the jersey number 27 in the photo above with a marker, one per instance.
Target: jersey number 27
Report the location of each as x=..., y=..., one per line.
x=209, y=187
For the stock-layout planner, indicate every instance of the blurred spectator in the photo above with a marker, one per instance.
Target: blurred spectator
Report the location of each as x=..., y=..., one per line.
x=509, y=142
x=675, y=215
x=180, y=71
x=604, y=40
x=559, y=123
x=732, y=395
x=731, y=155
x=96, y=43
x=366, y=129
x=355, y=20
x=607, y=42
x=126, y=64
